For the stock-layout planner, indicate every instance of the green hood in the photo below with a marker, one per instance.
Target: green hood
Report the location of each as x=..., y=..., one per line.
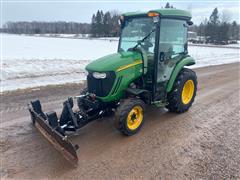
x=113, y=61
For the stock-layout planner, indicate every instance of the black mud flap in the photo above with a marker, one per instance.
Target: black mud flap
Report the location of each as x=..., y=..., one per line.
x=60, y=142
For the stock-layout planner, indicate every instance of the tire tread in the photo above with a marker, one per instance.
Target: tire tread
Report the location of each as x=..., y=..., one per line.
x=174, y=96
x=121, y=114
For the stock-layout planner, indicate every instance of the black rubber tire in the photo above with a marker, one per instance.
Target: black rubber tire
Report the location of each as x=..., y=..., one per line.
x=175, y=96
x=122, y=112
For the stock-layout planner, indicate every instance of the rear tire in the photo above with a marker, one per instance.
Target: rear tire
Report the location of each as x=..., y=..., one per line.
x=129, y=116
x=182, y=96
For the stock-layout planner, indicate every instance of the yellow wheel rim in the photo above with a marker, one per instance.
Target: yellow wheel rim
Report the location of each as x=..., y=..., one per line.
x=188, y=91
x=135, y=118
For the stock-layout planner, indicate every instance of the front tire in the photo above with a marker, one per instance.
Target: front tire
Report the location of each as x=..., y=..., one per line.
x=182, y=96
x=129, y=116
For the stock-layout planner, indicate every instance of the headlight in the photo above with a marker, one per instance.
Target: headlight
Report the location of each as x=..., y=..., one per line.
x=98, y=75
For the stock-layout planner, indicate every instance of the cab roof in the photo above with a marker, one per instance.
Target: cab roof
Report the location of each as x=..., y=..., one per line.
x=169, y=12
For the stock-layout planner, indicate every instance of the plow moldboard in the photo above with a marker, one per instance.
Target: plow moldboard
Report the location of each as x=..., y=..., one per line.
x=59, y=142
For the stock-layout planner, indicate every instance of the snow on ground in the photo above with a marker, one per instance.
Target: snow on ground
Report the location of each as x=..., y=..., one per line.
x=233, y=45
x=207, y=56
x=30, y=47
x=31, y=61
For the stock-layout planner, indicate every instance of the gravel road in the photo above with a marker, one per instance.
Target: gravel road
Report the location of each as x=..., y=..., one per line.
x=203, y=143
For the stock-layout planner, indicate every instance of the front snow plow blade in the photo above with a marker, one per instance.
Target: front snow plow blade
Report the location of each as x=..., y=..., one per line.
x=48, y=125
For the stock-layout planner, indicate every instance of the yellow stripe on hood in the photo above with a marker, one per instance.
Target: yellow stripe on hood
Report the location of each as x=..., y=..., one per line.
x=129, y=65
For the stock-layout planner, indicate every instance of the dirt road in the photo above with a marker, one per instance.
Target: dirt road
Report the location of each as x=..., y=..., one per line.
x=202, y=143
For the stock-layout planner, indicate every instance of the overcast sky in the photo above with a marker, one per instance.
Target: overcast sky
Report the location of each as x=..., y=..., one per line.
x=81, y=11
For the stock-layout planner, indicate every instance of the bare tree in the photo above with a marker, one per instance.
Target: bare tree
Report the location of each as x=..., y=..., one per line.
x=35, y=27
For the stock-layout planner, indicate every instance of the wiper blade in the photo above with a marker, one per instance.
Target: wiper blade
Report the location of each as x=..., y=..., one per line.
x=143, y=39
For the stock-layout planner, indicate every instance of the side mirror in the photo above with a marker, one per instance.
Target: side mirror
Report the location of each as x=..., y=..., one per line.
x=190, y=23
x=119, y=22
x=122, y=23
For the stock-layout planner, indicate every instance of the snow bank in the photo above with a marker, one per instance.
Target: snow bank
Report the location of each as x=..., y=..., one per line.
x=30, y=61
x=207, y=56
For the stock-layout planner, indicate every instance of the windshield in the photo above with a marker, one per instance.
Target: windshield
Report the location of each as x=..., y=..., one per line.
x=136, y=29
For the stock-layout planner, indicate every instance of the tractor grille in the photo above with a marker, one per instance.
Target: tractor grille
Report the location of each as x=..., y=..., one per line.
x=100, y=87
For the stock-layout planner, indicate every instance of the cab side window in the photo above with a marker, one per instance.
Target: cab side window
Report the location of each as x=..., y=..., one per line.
x=173, y=37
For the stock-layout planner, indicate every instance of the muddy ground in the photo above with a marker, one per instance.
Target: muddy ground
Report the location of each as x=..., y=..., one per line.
x=201, y=143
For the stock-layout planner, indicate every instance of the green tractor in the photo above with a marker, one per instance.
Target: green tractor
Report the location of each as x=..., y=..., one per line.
x=148, y=69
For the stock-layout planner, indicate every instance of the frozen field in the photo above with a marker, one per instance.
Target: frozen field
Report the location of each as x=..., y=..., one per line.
x=30, y=61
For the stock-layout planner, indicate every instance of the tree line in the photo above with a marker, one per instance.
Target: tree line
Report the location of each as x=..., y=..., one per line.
x=105, y=24
x=36, y=27
x=102, y=24
x=216, y=30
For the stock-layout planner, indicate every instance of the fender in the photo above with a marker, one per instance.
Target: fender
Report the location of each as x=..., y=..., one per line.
x=187, y=61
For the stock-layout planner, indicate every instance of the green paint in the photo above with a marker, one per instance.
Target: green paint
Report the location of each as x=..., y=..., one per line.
x=163, y=12
x=173, y=12
x=187, y=61
x=112, y=63
x=136, y=13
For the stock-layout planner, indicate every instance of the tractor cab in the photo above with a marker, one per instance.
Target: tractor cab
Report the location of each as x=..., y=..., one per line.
x=161, y=38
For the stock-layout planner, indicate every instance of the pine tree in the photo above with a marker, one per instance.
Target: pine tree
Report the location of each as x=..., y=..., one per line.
x=214, y=18
x=115, y=26
x=167, y=5
x=99, y=24
x=212, y=28
x=223, y=34
x=94, y=26
x=107, y=24
x=235, y=31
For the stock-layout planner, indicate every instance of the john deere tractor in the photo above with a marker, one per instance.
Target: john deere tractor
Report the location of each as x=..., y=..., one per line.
x=148, y=69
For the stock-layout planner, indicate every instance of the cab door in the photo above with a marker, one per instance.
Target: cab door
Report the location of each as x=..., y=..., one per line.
x=172, y=47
